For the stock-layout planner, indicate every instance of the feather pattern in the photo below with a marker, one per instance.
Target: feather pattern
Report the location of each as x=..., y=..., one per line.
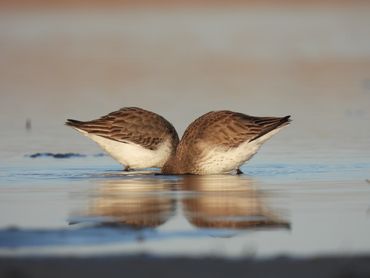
x=220, y=141
x=217, y=142
x=135, y=137
x=130, y=124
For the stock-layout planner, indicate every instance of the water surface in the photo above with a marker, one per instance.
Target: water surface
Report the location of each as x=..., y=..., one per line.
x=64, y=207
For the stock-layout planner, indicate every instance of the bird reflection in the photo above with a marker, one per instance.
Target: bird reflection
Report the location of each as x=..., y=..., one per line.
x=227, y=202
x=134, y=203
x=223, y=202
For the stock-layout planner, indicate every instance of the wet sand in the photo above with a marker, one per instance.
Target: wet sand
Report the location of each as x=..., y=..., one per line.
x=141, y=266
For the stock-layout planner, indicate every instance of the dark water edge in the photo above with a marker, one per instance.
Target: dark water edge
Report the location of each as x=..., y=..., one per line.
x=61, y=155
x=141, y=266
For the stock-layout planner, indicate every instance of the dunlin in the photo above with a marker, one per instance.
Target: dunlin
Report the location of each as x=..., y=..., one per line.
x=220, y=142
x=216, y=143
x=135, y=137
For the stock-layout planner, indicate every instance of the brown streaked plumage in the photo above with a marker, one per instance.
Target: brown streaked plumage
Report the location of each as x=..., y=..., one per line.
x=220, y=142
x=215, y=143
x=135, y=137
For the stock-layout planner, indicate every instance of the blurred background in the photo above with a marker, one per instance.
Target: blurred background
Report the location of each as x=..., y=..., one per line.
x=83, y=59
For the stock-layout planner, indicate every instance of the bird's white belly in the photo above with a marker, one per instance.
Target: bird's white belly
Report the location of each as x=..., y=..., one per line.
x=219, y=160
x=131, y=154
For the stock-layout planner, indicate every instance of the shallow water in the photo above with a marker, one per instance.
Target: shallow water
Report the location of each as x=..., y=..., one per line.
x=86, y=205
x=305, y=193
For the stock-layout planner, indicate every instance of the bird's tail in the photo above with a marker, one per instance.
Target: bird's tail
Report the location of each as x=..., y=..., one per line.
x=268, y=124
x=73, y=123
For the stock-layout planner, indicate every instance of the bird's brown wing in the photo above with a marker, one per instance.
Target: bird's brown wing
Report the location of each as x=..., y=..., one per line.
x=130, y=124
x=229, y=129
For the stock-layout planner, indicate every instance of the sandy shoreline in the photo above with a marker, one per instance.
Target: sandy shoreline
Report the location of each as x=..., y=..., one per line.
x=73, y=4
x=138, y=266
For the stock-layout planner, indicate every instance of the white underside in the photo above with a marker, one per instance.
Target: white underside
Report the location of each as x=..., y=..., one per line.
x=219, y=161
x=131, y=154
